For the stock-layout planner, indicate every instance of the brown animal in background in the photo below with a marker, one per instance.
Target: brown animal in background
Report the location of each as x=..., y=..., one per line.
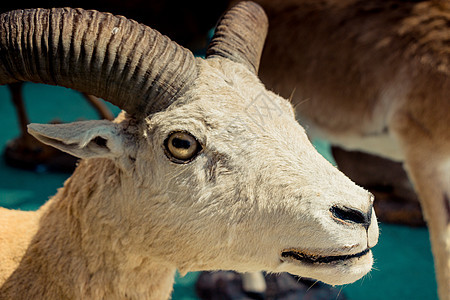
x=373, y=76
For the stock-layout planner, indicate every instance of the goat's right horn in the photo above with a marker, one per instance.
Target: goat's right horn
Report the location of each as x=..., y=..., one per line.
x=240, y=35
x=119, y=60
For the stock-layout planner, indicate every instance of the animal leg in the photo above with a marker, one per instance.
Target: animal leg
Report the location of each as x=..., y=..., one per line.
x=427, y=161
x=102, y=110
x=254, y=283
x=17, y=99
x=26, y=152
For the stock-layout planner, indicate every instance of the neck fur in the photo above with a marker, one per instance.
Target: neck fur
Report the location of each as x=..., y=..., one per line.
x=77, y=251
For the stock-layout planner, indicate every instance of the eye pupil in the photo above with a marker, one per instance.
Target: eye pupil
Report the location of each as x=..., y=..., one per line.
x=182, y=147
x=180, y=143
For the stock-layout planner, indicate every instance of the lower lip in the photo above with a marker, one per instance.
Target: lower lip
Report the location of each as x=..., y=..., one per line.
x=321, y=259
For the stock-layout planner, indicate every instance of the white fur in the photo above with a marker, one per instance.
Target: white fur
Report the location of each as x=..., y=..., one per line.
x=129, y=216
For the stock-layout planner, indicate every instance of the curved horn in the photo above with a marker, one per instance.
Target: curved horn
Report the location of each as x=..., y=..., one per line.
x=119, y=60
x=240, y=35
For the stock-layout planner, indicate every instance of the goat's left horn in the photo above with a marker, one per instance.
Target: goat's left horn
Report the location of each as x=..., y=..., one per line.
x=240, y=35
x=114, y=58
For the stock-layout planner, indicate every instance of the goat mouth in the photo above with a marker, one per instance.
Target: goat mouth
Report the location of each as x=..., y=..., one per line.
x=317, y=259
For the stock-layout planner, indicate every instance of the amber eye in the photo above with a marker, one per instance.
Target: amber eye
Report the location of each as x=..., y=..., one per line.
x=182, y=147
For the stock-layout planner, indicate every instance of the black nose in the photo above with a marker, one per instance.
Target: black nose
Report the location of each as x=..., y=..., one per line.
x=351, y=215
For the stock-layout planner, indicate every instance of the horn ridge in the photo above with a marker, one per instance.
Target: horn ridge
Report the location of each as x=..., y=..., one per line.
x=120, y=60
x=240, y=35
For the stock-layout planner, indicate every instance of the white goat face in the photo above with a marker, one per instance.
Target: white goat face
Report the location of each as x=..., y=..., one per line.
x=255, y=195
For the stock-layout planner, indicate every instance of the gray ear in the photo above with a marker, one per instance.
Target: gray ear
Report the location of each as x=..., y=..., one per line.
x=82, y=139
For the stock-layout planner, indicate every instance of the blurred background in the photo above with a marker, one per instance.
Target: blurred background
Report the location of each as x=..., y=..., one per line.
x=403, y=262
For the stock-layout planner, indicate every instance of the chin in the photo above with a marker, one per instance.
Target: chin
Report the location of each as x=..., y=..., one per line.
x=334, y=269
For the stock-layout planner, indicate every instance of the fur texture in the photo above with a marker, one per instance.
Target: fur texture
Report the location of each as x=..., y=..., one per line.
x=129, y=217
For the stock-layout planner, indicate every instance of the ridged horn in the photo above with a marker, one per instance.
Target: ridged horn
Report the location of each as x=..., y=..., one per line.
x=240, y=35
x=111, y=57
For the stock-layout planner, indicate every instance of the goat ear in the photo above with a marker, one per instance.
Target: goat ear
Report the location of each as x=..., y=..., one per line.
x=82, y=139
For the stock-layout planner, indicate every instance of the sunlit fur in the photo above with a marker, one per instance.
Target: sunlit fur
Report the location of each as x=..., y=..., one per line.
x=129, y=217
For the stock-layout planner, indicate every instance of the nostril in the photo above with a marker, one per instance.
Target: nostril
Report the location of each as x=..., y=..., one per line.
x=351, y=215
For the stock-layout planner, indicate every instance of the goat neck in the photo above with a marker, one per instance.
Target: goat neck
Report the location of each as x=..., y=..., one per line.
x=72, y=248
